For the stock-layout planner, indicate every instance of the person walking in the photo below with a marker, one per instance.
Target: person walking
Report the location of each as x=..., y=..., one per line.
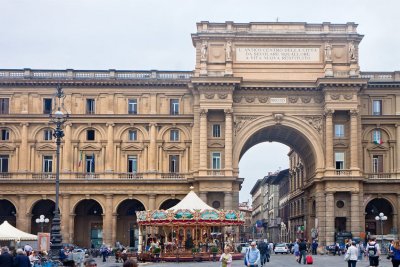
x=226, y=258
x=303, y=251
x=263, y=248
x=395, y=251
x=296, y=250
x=314, y=247
x=253, y=256
x=21, y=260
x=373, y=252
x=351, y=255
x=6, y=259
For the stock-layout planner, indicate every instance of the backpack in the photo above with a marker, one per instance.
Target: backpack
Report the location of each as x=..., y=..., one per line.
x=371, y=250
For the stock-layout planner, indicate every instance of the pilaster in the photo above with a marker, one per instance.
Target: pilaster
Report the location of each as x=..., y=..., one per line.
x=67, y=148
x=107, y=220
x=228, y=141
x=398, y=147
x=110, y=147
x=228, y=201
x=21, y=214
x=65, y=216
x=203, y=140
x=152, y=201
x=330, y=222
x=355, y=214
x=152, y=147
x=23, y=166
x=329, y=139
x=354, y=139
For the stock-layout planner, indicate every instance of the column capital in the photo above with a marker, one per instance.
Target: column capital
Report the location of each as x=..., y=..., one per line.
x=24, y=124
x=68, y=123
x=203, y=112
x=228, y=192
x=108, y=196
x=152, y=196
x=22, y=196
x=228, y=112
x=328, y=112
x=66, y=195
x=110, y=124
x=354, y=112
x=151, y=124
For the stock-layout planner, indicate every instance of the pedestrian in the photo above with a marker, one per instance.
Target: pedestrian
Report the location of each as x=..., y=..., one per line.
x=253, y=256
x=28, y=249
x=21, y=260
x=351, y=255
x=263, y=248
x=226, y=258
x=373, y=252
x=395, y=251
x=303, y=251
x=314, y=247
x=296, y=250
x=6, y=259
x=130, y=263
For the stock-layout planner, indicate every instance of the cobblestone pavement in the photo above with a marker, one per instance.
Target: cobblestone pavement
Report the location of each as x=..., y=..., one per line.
x=276, y=261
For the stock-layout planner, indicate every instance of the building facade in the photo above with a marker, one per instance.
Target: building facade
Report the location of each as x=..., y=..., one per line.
x=137, y=140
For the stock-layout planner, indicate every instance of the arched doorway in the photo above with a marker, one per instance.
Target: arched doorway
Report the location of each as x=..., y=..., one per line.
x=169, y=203
x=42, y=207
x=88, y=224
x=373, y=208
x=7, y=212
x=127, y=229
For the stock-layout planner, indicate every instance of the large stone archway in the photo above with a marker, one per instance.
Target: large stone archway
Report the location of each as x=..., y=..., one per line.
x=88, y=224
x=7, y=212
x=127, y=230
x=42, y=207
x=373, y=209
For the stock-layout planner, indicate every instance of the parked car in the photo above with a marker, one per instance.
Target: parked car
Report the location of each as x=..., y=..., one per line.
x=281, y=248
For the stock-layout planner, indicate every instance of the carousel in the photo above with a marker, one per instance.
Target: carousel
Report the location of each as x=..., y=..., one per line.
x=191, y=230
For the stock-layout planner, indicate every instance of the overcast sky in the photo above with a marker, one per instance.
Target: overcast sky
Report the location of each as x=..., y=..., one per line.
x=155, y=34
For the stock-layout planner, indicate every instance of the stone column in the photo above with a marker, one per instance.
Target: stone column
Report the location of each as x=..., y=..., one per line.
x=328, y=139
x=228, y=201
x=330, y=218
x=152, y=202
x=203, y=140
x=398, y=148
x=107, y=220
x=140, y=239
x=228, y=139
x=114, y=228
x=23, y=161
x=235, y=200
x=65, y=217
x=110, y=147
x=21, y=214
x=203, y=196
x=67, y=148
x=354, y=139
x=71, y=228
x=397, y=208
x=320, y=213
x=355, y=214
x=152, y=147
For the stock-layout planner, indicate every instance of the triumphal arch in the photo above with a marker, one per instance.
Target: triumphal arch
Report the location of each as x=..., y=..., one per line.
x=137, y=140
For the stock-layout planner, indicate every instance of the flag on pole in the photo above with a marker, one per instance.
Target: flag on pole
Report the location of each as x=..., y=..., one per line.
x=80, y=159
x=377, y=137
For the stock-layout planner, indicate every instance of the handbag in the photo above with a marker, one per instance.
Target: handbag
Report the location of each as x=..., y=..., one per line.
x=347, y=256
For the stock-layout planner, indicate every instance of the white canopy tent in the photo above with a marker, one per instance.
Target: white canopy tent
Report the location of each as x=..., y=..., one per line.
x=191, y=202
x=9, y=233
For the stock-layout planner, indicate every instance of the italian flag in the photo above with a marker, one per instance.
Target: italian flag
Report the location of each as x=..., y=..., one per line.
x=80, y=159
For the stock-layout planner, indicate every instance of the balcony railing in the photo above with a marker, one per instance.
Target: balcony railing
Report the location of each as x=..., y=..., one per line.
x=215, y=172
x=381, y=175
x=92, y=176
x=343, y=172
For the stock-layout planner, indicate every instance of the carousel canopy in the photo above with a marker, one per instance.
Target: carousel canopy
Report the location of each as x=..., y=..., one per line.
x=191, y=210
x=191, y=202
x=9, y=232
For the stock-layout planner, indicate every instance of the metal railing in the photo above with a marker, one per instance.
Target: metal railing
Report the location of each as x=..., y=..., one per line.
x=380, y=175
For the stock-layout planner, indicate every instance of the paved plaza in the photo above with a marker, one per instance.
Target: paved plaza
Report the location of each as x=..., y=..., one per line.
x=276, y=261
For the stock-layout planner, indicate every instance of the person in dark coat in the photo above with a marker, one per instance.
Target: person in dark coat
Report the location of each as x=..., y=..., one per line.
x=6, y=259
x=21, y=260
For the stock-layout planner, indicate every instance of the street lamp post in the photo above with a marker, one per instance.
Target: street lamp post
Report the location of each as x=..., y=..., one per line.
x=58, y=118
x=381, y=217
x=42, y=220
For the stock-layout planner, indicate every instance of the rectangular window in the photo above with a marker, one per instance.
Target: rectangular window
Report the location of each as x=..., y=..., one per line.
x=90, y=106
x=90, y=166
x=47, y=163
x=4, y=163
x=48, y=135
x=377, y=164
x=132, y=135
x=174, y=106
x=174, y=163
x=132, y=106
x=90, y=136
x=174, y=135
x=5, y=134
x=4, y=106
x=376, y=137
x=132, y=164
x=47, y=105
x=377, y=107
x=339, y=160
x=339, y=130
x=216, y=130
x=216, y=160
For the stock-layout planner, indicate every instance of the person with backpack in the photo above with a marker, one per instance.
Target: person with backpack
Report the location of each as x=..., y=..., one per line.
x=395, y=252
x=252, y=258
x=303, y=251
x=373, y=252
x=263, y=248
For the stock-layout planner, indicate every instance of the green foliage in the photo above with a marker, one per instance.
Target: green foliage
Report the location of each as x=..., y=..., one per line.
x=156, y=250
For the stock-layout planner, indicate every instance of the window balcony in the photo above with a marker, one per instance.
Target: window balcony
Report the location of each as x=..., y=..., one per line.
x=381, y=175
